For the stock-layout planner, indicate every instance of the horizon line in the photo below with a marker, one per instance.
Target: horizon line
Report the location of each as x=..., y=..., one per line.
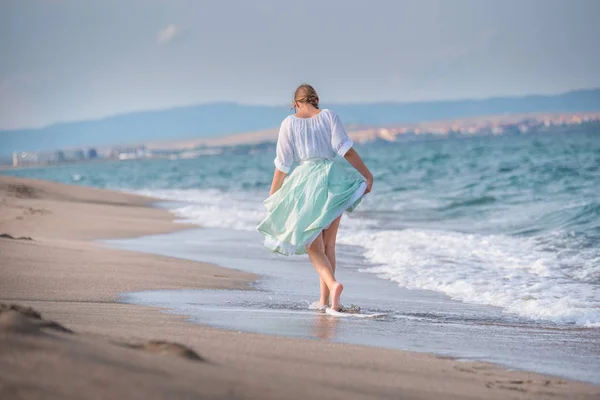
x=228, y=102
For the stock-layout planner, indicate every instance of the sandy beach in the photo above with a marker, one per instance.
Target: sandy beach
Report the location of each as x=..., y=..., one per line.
x=97, y=347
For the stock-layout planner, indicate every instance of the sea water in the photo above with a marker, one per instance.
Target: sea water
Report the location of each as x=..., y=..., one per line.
x=509, y=221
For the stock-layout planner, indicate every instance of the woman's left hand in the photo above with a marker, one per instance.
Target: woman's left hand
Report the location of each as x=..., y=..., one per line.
x=369, y=184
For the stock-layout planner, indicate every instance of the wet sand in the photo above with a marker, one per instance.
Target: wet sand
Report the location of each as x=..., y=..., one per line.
x=103, y=352
x=415, y=320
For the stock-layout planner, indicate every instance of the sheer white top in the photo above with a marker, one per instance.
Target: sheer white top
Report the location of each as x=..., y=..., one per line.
x=320, y=136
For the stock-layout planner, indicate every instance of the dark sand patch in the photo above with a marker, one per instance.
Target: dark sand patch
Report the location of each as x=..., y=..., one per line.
x=7, y=236
x=22, y=191
x=166, y=348
x=25, y=320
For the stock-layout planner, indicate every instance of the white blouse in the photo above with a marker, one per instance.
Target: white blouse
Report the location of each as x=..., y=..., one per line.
x=320, y=136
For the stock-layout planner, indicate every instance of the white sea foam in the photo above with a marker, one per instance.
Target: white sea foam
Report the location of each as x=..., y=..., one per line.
x=214, y=208
x=529, y=277
x=315, y=305
x=520, y=275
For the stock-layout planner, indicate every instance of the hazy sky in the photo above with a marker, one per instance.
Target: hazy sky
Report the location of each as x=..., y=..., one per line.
x=75, y=59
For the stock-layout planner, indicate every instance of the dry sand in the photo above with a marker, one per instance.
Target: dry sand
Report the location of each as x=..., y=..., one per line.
x=101, y=349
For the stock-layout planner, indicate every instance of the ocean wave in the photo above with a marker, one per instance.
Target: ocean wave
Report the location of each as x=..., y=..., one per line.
x=213, y=208
x=587, y=215
x=553, y=277
x=476, y=201
x=516, y=274
x=579, y=216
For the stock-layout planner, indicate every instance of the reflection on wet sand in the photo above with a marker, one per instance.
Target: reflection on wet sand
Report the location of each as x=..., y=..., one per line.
x=325, y=326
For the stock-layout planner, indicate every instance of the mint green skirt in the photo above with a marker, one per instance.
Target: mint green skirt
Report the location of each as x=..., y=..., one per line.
x=316, y=193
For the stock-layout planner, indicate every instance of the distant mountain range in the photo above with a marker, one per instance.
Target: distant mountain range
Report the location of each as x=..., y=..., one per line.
x=219, y=119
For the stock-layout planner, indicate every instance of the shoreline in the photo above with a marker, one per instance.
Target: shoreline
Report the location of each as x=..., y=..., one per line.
x=70, y=279
x=416, y=320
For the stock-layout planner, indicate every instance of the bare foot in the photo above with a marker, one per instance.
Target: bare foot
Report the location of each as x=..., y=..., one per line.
x=336, y=292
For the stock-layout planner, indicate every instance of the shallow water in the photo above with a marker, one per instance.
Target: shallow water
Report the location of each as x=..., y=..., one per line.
x=418, y=320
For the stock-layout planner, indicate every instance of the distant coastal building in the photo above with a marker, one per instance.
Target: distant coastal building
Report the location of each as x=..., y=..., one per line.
x=59, y=156
x=79, y=155
x=24, y=158
x=92, y=153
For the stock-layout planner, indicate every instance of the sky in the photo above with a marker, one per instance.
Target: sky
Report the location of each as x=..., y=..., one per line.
x=65, y=60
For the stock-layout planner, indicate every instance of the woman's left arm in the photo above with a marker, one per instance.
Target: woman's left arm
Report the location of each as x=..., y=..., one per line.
x=278, y=178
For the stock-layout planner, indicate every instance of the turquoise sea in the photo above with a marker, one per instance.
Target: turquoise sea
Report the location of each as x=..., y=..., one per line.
x=508, y=221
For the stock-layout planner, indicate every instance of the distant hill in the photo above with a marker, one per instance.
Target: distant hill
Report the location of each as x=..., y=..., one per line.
x=217, y=119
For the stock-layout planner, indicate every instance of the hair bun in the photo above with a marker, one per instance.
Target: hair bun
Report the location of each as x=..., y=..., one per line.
x=306, y=94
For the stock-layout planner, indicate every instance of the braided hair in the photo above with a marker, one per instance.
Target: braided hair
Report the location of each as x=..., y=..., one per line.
x=306, y=94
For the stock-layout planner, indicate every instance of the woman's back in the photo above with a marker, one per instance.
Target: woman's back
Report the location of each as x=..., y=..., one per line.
x=320, y=136
x=305, y=207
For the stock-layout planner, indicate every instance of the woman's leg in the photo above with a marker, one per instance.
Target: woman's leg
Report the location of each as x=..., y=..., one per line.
x=329, y=237
x=316, y=253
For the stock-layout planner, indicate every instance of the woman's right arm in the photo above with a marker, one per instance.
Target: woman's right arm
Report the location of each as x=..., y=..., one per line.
x=357, y=162
x=284, y=156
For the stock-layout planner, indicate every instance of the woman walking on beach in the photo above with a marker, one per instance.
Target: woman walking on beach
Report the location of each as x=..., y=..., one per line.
x=305, y=209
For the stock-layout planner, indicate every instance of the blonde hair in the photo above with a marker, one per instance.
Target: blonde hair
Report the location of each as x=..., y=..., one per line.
x=306, y=94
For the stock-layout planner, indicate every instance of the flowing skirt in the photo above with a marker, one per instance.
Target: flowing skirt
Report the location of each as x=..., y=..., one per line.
x=316, y=193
